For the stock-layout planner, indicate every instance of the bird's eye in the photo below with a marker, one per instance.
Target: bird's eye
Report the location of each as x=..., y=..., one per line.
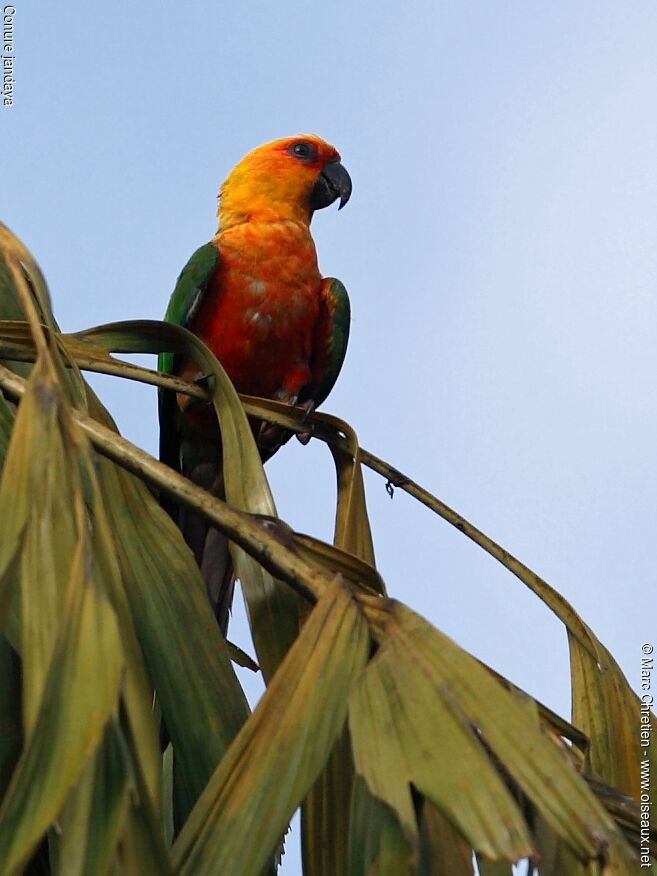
x=304, y=151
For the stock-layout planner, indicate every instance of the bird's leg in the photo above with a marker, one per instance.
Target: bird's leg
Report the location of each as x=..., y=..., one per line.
x=307, y=407
x=270, y=436
x=203, y=380
x=192, y=405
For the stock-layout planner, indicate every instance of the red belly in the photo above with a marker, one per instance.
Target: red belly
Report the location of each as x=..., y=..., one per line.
x=260, y=312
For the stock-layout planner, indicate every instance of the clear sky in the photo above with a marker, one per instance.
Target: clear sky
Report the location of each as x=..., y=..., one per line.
x=499, y=250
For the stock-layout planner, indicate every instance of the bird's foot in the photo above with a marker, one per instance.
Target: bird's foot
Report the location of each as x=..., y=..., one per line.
x=191, y=405
x=204, y=380
x=307, y=407
x=283, y=396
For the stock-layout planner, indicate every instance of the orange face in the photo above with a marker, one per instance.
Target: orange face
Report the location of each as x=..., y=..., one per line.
x=284, y=180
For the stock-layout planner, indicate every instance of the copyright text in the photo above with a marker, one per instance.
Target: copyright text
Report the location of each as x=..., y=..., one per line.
x=647, y=699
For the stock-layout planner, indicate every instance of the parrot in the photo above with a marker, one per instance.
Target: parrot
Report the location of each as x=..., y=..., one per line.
x=255, y=296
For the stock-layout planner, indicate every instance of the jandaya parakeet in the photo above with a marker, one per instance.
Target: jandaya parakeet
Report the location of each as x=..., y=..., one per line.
x=255, y=296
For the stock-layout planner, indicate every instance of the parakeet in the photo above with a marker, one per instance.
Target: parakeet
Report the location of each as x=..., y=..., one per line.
x=255, y=296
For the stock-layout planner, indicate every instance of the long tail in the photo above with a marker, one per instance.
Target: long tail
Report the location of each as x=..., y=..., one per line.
x=210, y=546
x=198, y=454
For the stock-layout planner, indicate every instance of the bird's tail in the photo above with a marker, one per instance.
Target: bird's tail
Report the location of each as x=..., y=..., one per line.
x=210, y=546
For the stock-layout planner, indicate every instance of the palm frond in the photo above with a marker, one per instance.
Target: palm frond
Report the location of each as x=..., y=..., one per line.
x=407, y=754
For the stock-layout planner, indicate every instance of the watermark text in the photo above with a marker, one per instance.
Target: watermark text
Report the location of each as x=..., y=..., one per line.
x=647, y=700
x=8, y=55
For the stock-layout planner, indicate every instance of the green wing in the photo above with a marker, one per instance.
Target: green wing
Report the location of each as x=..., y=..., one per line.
x=189, y=293
x=185, y=302
x=331, y=339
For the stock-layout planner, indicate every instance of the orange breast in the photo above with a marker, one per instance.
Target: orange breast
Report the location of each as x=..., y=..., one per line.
x=260, y=311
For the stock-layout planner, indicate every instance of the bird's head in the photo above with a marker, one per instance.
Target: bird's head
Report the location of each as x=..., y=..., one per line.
x=285, y=179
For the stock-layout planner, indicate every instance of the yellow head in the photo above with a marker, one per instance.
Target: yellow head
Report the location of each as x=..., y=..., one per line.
x=284, y=180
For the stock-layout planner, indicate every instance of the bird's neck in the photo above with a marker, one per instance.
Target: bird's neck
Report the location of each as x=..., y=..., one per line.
x=256, y=214
x=280, y=245
x=256, y=198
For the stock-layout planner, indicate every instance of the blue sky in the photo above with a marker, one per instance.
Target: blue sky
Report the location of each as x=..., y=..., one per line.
x=499, y=250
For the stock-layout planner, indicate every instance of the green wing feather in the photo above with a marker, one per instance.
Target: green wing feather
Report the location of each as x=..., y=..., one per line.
x=183, y=306
x=184, y=451
x=331, y=339
x=188, y=294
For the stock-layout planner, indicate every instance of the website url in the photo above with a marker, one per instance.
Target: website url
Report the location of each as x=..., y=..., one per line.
x=645, y=731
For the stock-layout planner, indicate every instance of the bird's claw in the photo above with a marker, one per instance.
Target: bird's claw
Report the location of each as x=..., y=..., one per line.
x=203, y=380
x=307, y=407
x=269, y=433
x=282, y=395
x=192, y=405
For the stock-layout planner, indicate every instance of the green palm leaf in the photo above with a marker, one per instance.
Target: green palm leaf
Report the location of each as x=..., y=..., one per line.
x=407, y=754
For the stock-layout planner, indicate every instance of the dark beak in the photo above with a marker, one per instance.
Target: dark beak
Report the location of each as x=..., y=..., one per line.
x=334, y=182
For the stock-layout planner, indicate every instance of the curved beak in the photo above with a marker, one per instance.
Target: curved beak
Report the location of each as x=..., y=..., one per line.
x=333, y=182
